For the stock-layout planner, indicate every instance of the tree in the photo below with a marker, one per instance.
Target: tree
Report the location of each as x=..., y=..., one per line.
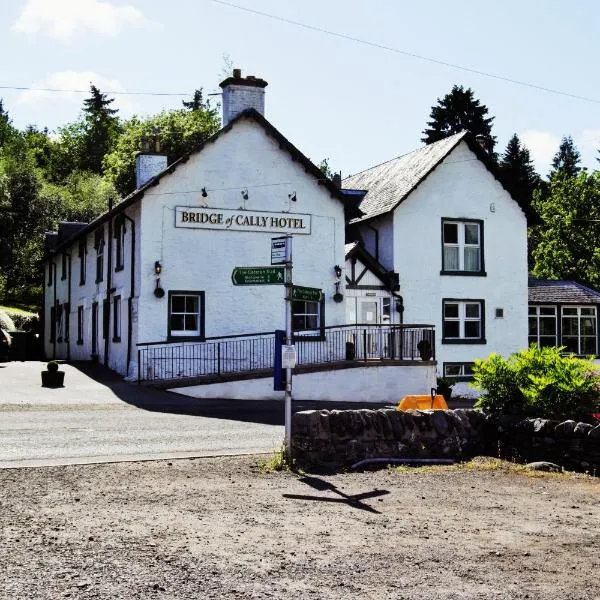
x=567, y=160
x=181, y=131
x=568, y=245
x=6, y=128
x=457, y=111
x=519, y=175
x=100, y=128
x=197, y=102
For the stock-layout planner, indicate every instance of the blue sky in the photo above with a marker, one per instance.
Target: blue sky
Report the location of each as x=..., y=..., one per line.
x=355, y=104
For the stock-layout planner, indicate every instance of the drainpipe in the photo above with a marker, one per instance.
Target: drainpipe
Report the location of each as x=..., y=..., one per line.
x=108, y=287
x=53, y=325
x=131, y=292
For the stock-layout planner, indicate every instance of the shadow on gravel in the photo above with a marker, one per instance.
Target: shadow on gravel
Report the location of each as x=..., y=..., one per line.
x=354, y=501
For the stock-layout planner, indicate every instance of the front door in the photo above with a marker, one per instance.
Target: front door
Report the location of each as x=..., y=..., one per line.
x=368, y=314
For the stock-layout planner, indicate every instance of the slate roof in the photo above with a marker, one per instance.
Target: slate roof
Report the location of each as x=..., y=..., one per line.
x=389, y=183
x=561, y=292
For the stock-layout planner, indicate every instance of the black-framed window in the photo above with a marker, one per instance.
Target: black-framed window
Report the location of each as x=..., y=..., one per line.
x=82, y=260
x=120, y=243
x=52, y=324
x=579, y=330
x=67, y=320
x=49, y=274
x=80, y=325
x=462, y=247
x=59, y=322
x=117, y=319
x=95, y=328
x=63, y=270
x=463, y=321
x=99, y=245
x=105, y=318
x=186, y=314
x=308, y=318
x=459, y=371
x=543, y=326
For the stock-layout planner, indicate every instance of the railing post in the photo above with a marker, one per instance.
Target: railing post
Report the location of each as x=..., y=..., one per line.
x=392, y=343
x=219, y=359
x=365, y=344
x=139, y=366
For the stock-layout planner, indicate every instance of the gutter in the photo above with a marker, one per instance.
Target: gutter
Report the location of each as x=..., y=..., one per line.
x=69, y=302
x=106, y=317
x=131, y=291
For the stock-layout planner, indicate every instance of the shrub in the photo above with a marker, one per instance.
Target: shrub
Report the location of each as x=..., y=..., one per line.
x=541, y=382
x=6, y=322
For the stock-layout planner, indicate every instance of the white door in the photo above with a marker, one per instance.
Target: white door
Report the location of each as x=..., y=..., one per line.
x=368, y=314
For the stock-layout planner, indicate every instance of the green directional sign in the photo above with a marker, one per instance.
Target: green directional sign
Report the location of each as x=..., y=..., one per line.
x=258, y=276
x=307, y=294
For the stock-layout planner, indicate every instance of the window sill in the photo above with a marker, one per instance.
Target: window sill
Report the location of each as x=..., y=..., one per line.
x=116, y=339
x=185, y=338
x=82, y=282
x=298, y=337
x=119, y=268
x=463, y=341
x=99, y=280
x=464, y=273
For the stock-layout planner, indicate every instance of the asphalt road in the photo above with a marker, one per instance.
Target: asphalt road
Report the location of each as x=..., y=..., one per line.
x=97, y=417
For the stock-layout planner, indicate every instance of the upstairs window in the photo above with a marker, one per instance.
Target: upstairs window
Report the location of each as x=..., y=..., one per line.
x=120, y=243
x=99, y=245
x=462, y=247
x=63, y=270
x=49, y=274
x=82, y=260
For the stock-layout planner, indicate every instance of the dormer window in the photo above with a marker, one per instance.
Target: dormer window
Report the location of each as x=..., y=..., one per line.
x=99, y=244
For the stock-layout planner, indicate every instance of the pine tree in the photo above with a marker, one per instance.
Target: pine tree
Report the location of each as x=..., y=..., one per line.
x=519, y=176
x=197, y=101
x=6, y=128
x=566, y=161
x=100, y=129
x=457, y=111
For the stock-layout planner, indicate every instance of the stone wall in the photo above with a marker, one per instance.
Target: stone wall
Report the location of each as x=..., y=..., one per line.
x=572, y=445
x=338, y=439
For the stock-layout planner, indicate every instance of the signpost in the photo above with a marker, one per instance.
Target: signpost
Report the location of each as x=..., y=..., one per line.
x=278, y=246
x=258, y=276
x=307, y=294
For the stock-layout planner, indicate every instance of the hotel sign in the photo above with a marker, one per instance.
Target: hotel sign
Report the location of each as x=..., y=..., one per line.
x=241, y=220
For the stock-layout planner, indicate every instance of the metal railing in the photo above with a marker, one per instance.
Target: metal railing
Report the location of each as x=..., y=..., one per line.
x=225, y=356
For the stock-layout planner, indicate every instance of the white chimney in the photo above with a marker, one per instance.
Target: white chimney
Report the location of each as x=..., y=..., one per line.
x=241, y=93
x=149, y=162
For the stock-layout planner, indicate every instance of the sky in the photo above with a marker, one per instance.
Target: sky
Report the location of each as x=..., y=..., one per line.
x=332, y=95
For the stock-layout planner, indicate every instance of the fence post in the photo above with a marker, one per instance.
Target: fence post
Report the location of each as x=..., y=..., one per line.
x=219, y=359
x=365, y=344
x=139, y=367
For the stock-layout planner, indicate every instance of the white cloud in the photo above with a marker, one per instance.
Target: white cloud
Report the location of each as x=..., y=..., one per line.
x=72, y=80
x=542, y=146
x=64, y=19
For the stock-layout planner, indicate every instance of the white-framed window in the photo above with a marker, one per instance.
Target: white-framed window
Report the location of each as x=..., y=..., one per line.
x=463, y=321
x=306, y=315
x=458, y=371
x=462, y=246
x=100, y=260
x=542, y=326
x=579, y=329
x=82, y=260
x=186, y=314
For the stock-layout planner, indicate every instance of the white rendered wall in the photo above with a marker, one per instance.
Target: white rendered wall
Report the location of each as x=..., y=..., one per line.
x=369, y=384
x=203, y=259
x=461, y=187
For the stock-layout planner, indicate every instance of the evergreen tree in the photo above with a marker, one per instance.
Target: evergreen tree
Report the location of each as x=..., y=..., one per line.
x=6, y=128
x=197, y=102
x=519, y=175
x=566, y=161
x=457, y=111
x=100, y=128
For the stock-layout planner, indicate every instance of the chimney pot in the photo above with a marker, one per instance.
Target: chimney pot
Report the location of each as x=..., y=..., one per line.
x=237, y=73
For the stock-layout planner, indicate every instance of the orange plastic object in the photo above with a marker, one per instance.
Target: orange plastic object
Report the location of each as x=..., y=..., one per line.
x=422, y=403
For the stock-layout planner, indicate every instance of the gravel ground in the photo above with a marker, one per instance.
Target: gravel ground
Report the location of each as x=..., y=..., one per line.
x=224, y=528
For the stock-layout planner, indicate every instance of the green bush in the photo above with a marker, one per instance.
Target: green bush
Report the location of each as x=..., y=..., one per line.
x=540, y=382
x=6, y=322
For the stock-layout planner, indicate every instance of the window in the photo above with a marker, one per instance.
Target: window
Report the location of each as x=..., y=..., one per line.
x=82, y=260
x=59, y=323
x=63, y=270
x=309, y=316
x=120, y=237
x=542, y=326
x=49, y=274
x=459, y=371
x=462, y=247
x=117, y=319
x=186, y=314
x=67, y=311
x=80, y=325
x=579, y=329
x=105, y=318
x=52, y=323
x=463, y=322
x=95, y=329
x=99, y=245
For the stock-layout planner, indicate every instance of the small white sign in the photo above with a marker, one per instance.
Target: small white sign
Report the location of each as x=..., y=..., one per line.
x=278, y=250
x=288, y=357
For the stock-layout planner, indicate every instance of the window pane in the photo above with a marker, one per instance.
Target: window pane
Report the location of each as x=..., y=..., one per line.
x=451, y=329
x=191, y=323
x=312, y=322
x=191, y=304
x=297, y=322
x=472, y=311
x=532, y=326
x=533, y=339
x=450, y=233
x=178, y=303
x=450, y=310
x=569, y=326
x=532, y=310
x=570, y=344
x=588, y=311
x=588, y=345
x=451, y=258
x=176, y=322
x=547, y=310
x=471, y=233
x=472, y=329
x=547, y=341
x=452, y=370
x=547, y=326
x=468, y=369
x=569, y=311
x=588, y=326
x=472, y=259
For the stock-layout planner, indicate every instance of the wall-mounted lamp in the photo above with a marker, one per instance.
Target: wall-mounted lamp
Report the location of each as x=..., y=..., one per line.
x=157, y=267
x=244, y=193
x=204, y=192
x=292, y=196
x=338, y=271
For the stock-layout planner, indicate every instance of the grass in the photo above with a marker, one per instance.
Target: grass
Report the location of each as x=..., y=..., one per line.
x=20, y=310
x=278, y=461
